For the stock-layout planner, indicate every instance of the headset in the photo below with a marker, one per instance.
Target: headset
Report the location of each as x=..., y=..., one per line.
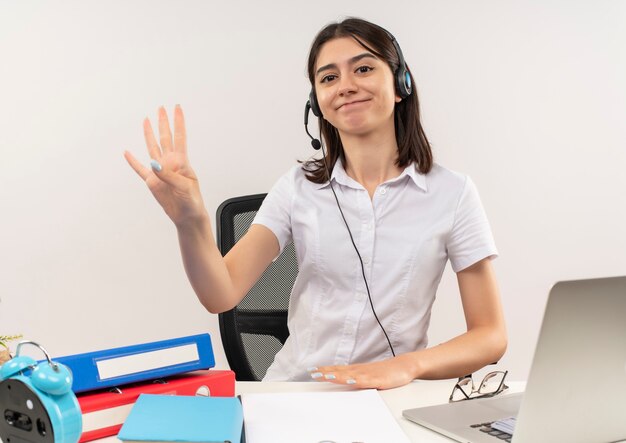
x=36, y=401
x=404, y=88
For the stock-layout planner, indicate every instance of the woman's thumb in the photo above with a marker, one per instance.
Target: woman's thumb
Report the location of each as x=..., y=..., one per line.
x=164, y=174
x=156, y=166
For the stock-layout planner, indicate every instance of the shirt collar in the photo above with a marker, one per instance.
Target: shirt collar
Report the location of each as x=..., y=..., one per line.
x=418, y=178
x=340, y=176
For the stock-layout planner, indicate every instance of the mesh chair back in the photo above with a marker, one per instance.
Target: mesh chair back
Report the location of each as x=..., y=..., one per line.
x=256, y=329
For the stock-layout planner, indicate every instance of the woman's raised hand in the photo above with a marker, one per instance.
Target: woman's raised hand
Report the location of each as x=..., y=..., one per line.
x=170, y=178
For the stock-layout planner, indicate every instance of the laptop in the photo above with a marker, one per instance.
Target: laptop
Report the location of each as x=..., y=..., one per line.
x=576, y=390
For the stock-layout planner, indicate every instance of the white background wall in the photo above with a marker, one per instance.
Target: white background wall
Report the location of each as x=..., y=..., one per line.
x=528, y=98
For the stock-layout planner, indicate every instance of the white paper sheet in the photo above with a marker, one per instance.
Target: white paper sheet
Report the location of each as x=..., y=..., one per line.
x=339, y=417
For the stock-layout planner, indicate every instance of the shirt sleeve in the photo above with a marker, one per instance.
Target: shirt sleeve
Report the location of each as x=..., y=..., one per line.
x=275, y=211
x=471, y=239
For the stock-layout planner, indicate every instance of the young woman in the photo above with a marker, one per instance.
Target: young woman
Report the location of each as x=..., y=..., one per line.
x=372, y=241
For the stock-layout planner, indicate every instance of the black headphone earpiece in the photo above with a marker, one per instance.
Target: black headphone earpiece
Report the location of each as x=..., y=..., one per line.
x=404, y=86
x=315, y=107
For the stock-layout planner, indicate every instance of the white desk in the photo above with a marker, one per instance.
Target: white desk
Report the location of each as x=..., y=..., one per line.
x=413, y=395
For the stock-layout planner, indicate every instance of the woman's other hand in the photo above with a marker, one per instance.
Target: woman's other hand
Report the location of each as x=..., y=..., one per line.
x=386, y=374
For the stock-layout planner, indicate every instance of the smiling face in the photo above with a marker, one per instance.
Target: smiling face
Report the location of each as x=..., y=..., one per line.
x=354, y=88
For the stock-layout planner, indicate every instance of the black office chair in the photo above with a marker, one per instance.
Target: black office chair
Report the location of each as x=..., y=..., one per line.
x=256, y=329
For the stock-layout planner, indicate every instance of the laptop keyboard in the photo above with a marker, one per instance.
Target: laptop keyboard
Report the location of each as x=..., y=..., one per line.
x=487, y=429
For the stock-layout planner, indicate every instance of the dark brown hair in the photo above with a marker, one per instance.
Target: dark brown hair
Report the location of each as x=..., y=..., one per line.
x=412, y=143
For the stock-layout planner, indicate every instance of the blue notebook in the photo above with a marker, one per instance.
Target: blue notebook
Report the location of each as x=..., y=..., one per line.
x=146, y=361
x=179, y=418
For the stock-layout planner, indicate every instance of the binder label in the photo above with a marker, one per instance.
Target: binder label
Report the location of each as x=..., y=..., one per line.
x=92, y=421
x=146, y=361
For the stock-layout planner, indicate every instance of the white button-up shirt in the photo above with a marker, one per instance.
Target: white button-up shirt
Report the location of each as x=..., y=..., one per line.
x=405, y=234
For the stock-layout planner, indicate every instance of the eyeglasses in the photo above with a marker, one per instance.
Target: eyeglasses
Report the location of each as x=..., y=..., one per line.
x=491, y=385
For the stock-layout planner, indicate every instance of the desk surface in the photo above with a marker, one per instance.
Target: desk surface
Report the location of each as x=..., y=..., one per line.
x=415, y=394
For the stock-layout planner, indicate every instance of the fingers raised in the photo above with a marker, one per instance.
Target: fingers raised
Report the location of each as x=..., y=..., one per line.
x=151, y=143
x=180, y=134
x=165, y=135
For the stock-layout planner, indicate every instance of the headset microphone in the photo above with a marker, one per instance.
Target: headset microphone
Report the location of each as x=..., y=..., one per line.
x=314, y=142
